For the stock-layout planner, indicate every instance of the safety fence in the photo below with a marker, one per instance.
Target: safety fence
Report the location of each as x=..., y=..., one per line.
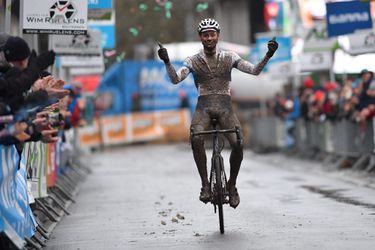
x=36, y=189
x=171, y=125
x=343, y=143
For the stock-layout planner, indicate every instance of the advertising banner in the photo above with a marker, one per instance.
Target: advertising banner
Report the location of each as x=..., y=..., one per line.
x=171, y=125
x=347, y=17
x=282, y=69
x=144, y=127
x=314, y=61
x=81, y=71
x=100, y=4
x=36, y=162
x=114, y=129
x=175, y=124
x=15, y=221
x=51, y=165
x=158, y=93
x=67, y=17
x=89, y=44
x=362, y=42
x=82, y=61
x=108, y=34
x=89, y=136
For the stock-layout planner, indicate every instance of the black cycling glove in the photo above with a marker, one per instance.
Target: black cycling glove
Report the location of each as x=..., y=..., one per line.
x=272, y=47
x=163, y=55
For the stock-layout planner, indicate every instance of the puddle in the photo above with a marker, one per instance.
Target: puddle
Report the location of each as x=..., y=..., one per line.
x=335, y=194
x=289, y=199
x=294, y=179
x=253, y=184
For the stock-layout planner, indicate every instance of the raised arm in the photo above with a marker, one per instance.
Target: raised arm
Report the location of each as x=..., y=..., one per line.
x=250, y=68
x=179, y=75
x=175, y=76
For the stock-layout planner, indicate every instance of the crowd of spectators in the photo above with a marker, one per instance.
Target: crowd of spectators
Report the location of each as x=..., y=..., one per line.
x=352, y=99
x=34, y=105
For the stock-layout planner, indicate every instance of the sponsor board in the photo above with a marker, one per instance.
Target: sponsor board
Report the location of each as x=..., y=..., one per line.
x=346, y=17
x=88, y=44
x=100, y=4
x=282, y=69
x=68, y=17
x=114, y=129
x=315, y=61
x=89, y=136
x=172, y=125
x=79, y=71
x=362, y=42
x=108, y=33
x=82, y=61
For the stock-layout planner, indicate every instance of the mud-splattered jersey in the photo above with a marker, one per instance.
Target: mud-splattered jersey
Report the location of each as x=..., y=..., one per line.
x=212, y=75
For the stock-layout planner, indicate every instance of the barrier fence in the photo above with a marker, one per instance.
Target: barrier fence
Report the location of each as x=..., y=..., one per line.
x=338, y=141
x=38, y=186
x=172, y=125
x=36, y=189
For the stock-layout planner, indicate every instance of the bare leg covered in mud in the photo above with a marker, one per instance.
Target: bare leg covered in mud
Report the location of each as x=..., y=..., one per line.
x=218, y=107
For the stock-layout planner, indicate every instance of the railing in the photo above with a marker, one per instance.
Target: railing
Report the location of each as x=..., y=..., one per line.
x=341, y=139
x=36, y=190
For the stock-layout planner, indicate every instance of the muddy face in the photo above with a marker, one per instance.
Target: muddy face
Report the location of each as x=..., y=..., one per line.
x=209, y=39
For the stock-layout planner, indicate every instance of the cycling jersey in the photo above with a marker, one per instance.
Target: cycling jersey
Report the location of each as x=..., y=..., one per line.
x=212, y=74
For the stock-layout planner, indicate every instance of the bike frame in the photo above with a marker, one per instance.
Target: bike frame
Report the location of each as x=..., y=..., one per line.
x=218, y=186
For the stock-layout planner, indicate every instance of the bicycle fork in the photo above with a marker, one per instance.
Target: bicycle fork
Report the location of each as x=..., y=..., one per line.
x=218, y=159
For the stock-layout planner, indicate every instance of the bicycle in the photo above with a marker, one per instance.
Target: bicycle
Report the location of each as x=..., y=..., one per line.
x=219, y=192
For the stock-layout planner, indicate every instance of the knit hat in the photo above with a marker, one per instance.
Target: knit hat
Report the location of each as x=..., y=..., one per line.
x=16, y=49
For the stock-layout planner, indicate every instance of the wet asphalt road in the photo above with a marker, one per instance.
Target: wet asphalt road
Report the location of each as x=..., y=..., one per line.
x=146, y=197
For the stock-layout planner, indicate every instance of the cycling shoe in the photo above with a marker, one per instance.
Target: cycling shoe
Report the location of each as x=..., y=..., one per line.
x=234, y=198
x=205, y=195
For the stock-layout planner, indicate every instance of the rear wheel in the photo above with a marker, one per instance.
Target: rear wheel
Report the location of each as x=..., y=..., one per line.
x=219, y=191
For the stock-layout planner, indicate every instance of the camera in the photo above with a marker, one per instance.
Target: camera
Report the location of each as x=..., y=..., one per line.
x=55, y=119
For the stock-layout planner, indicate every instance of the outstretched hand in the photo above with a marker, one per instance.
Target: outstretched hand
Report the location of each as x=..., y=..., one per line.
x=163, y=53
x=272, y=47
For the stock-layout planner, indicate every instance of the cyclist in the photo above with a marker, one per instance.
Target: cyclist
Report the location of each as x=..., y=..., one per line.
x=212, y=75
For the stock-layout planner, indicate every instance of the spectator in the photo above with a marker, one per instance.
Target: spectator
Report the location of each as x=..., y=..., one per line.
x=364, y=99
x=3, y=39
x=17, y=84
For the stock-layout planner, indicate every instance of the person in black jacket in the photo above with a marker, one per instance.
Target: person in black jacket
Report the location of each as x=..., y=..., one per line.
x=20, y=82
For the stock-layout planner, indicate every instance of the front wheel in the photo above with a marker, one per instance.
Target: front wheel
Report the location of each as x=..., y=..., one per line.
x=218, y=161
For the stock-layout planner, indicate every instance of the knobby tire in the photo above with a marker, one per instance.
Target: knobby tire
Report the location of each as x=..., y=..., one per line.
x=219, y=190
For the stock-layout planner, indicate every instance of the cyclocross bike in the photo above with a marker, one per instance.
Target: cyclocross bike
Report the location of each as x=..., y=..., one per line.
x=218, y=179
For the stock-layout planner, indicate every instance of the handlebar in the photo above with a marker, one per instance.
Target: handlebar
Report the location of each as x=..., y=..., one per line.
x=221, y=131
x=215, y=131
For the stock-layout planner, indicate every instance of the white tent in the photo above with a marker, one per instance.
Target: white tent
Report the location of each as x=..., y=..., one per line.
x=347, y=64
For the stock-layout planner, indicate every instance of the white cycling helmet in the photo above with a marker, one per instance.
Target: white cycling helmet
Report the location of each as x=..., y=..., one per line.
x=208, y=24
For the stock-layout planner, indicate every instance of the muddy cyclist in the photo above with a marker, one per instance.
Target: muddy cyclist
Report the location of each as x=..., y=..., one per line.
x=211, y=70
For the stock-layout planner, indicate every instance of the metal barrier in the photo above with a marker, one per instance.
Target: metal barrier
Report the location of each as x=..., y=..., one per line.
x=267, y=132
x=345, y=139
x=37, y=190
